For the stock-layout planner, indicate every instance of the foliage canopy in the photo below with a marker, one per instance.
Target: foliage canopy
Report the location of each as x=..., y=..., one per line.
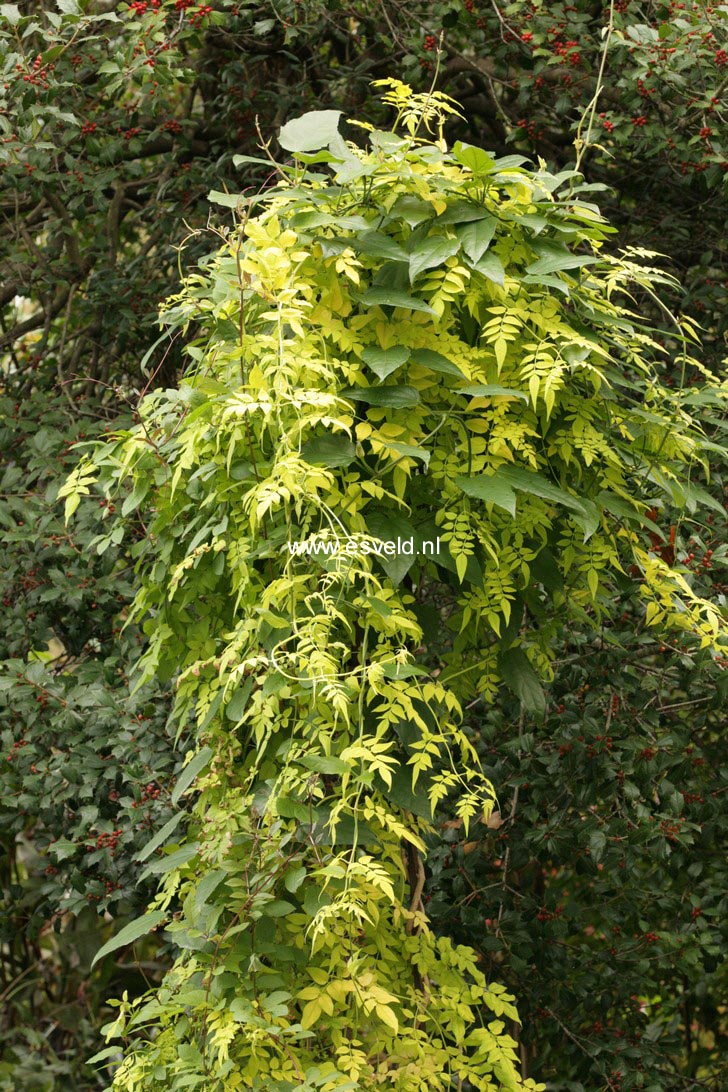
x=398, y=341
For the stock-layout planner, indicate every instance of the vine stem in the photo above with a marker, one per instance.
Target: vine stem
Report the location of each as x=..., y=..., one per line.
x=590, y=111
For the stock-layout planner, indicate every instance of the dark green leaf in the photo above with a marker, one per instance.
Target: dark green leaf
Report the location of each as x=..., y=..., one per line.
x=491, y=390
x=397, y=396
x=390, y=297
x=237, y=705
x=431, y=252
x=385, y=361
x=159, y=838
x=519, y=676
x=131, y=932
x=491, y=267
x=490, y=488
x=377, y=245
x=333, y=450
x=476, y=237
x=435, y=361
x=324, y=764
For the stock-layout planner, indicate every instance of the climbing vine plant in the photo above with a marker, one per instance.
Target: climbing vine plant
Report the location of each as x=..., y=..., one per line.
x=419, y=400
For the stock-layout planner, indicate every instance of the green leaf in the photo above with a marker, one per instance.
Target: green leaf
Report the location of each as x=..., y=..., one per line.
x=190, y=772
x=490, y=488
x=491, y=267
x=176, y=859
x=207, y=885
x=385, y=361
x=413, y=210
x=390, y=297
x=238, y=703
x=136, y=496
x=131, y=932
x=396, y=396
x=476, y=159
x=431, y=252
x=389, y=528
x=597, y=845
x=11, y=13
x=528, y=481
x=519, y=676
x=463, y=212
x=413, y=451
x=325, y=764
x=378, y=245
x=159, y=838
x=331, y=450
x=491, y=390
x=311, y=131
x=476, y=237
x=435, y=361
x=229, y=200
x=554, y=263
x=293, y=878
x=279, y=908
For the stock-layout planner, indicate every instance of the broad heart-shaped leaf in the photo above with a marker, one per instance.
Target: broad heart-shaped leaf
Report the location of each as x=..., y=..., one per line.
x=390, y=297
x=332, y=450
x=476, y=159
x=490, y=488
x=190, y=772
x=311, y=131
x=491, y=267
x=385, y=361
x=396, y=396
x=435, y=361
x=477, y=236
x=393, y=528
x=413, y=210
x=462, y=212
x=431, y=252
x=378, y=245
x=491, y=390
x=131, y=932
x=519, y=676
